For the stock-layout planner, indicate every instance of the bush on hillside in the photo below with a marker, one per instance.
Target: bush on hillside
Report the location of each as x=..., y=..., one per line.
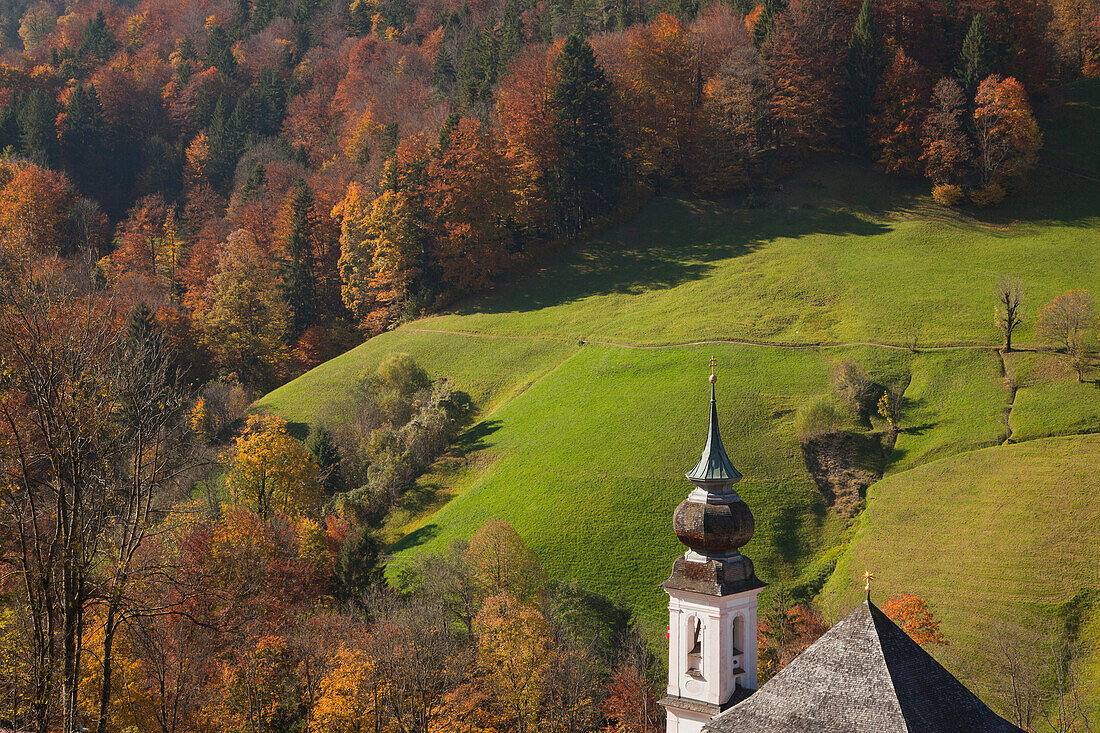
x=819, y=416
x=948, y=194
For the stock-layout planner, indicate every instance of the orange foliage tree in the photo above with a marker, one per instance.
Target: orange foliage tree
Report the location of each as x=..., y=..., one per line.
x=1007, y=134
x=901, y=102
x=915, y=618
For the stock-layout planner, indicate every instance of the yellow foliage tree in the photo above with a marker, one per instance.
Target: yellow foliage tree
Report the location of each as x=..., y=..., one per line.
x=270, y=471
x=380, y=252
x=350, y=695
x=501, y=562
x=513, y=647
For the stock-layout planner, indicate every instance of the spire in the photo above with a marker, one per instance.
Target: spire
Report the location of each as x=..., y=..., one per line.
x=714, y=464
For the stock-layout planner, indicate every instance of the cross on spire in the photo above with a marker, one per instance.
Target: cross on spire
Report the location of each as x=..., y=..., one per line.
x=868, y=576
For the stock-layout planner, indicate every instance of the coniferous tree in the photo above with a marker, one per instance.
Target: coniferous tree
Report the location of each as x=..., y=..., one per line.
x=37, y=130
x=299, y=277
x=323, y=447
x=219, y=51
x=863, y=66
x=470, y=68
x=257, y=181
x=84, y=141
x=589, y=172
x=98, y=41
x=226, y=147
x=443, y=71
x=976, y=60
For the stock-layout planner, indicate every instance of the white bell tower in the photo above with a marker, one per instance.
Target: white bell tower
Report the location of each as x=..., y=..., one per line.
x=711, y=594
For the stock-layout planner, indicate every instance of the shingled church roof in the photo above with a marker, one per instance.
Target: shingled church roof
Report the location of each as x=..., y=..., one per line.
x=865, y=675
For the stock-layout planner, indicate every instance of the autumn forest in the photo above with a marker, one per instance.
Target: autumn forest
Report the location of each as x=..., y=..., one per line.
x=202, y=199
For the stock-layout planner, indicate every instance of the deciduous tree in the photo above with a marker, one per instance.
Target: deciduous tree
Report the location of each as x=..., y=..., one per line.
x=270, y=472
x=915, y=618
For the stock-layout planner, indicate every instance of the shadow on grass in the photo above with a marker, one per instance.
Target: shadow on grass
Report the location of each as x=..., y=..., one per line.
x=299, y=430
x=670, y=243
x=417, y=538
x=789, y=523
x=473, y=440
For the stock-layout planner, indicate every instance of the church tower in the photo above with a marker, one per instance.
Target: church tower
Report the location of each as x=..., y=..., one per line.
x=711, y=593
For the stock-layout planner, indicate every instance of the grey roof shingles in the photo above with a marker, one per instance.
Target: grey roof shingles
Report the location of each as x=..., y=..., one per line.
x=865, y=675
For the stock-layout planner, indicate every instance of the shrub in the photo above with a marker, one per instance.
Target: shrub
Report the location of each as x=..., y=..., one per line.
x=948, y=194
x=819, y=417
x=854, y=387
x=989, y=195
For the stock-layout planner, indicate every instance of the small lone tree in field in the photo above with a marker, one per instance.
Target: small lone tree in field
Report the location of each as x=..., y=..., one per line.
x=1010, y=300
x=1068, y=322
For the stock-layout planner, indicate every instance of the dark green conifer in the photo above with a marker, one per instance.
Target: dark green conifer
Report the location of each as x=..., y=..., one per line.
x=976, y=60
x=443, y=71
x=219, y=51
x=299, y=285
x=863, y=66
x=590, y=171
x=37, y=118
x=226, y=146
x=323, y=447
x=84, y=140
x=98, y=41
x=765, y=23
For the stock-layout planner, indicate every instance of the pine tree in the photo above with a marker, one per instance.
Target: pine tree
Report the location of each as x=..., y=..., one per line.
x=84, y=141
x=98, y=41
x=299, y=285
x=226, y=146
x=470, y=68
x=765, y=22
x=37, y=131
x=443, y=71
x=976, y=60
x=141, y=326
x=864, y=64
x=580, y=105
x=323, y=447
x=257, y=181
x=219, y=51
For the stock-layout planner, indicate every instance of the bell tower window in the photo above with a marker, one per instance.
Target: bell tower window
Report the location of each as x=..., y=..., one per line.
x=737, y=664
x=694, y=665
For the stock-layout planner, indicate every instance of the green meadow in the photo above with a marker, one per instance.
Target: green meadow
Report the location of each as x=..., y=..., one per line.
x=1004, y=536
x=590, y=380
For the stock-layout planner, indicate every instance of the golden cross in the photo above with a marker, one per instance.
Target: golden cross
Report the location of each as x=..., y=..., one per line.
x=868, y=577
x=713, y=363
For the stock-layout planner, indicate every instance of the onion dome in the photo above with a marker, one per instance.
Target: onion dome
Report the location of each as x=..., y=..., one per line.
x=713, y=521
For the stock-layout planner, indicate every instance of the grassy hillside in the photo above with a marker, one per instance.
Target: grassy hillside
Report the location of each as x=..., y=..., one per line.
x=1009, y=534
x=583, y=437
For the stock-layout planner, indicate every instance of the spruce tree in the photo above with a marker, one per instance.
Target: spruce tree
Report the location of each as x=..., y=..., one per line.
x=219, y=51
x=863, y=66
x=299, y=285
x=470, y=68
x=765, y=22
x=323, y=447
x=976, y=60
x=98, y=41
x=226, y=145
x=443, y=71
x=84, y=141
x=37, y=125
x=589, y=173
